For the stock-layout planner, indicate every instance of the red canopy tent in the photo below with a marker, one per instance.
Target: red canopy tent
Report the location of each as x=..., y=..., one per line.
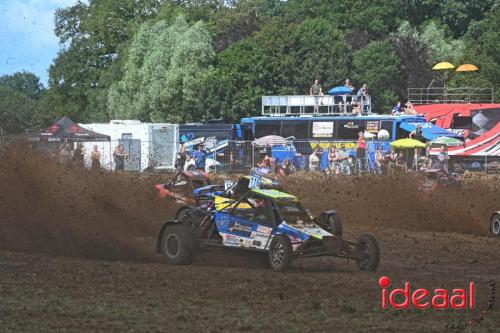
x=68, y=131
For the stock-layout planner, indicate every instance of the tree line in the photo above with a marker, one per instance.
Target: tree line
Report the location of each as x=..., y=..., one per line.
x=195, y=60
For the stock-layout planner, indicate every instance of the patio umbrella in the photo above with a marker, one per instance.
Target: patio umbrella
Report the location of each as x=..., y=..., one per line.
x=467, y=68
x=407, y=144
x=269, y=141
x=446, y=141
x=443, y=65
x=340, y=90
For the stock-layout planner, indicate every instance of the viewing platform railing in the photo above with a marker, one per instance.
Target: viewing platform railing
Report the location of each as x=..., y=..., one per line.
x=437, y=95
x=297, y=105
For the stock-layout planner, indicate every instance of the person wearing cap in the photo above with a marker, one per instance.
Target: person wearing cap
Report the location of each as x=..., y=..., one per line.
x=200, y=157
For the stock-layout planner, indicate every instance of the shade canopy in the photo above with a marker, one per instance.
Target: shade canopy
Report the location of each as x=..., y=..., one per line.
x=269, y=141
x=446, y=141
x=429, y=131
x=340, y=90
x=407, y=144
x=66, y=130
x=467, y=68
x=443, y=65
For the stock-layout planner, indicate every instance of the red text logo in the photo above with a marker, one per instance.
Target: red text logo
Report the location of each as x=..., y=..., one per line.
x=404, y=298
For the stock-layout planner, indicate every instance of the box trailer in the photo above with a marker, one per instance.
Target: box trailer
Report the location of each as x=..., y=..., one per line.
x=151, y=146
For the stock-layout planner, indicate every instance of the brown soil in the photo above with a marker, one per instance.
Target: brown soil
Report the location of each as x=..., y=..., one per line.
x=77, y=254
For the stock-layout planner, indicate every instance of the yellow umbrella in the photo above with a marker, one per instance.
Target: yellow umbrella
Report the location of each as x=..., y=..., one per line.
x=407, y=144
x=443, y=65
x=467, y=68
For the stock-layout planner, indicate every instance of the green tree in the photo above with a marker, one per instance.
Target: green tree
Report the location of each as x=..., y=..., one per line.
x=24, y=82
x=16, y=110
x=164, y=71
x=378, y=65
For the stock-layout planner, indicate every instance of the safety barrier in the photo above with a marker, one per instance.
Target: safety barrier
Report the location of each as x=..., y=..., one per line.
x=242, y=156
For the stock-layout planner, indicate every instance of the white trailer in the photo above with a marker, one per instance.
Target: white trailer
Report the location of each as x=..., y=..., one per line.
x=149, y=145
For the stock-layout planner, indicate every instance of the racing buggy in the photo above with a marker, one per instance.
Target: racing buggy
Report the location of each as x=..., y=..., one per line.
x=264, y=220
x=495, y=224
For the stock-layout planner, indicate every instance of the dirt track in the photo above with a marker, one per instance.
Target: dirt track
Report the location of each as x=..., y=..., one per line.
x=66, y=225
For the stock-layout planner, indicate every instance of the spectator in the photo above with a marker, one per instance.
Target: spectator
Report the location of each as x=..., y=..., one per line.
x=348, y=84
x=200, y=157
x=64, y=154
x=78, y=154
x=343, y=158
x=443, y=159
x=362, y=92
x=182, y=157
x=333, y=160
x=119, y=157
x=380, y=160
x=95, y=157
x=361, y=96
x=289, y=168
x=401, y=162
x=417, y=134
x=356, y=108
x=391, y=160
x=361, y=153
x=409, y=110
x=316, y=91
x=314, y=160
x=396, y=110
x=266, y=162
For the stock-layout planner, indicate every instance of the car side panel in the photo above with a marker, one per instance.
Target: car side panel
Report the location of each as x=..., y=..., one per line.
x=243, y=233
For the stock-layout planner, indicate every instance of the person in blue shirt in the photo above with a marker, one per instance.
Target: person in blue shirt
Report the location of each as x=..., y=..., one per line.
x=396, y=110
x=200, y=157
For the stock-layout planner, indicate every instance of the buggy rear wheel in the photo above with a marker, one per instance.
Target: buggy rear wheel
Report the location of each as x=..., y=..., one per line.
x=178, y=244
x=369, y=248
x=280, y=253
x=495, y=225
x=335, y=225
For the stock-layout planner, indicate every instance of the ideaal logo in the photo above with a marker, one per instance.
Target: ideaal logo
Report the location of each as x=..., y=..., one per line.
x=421, y=298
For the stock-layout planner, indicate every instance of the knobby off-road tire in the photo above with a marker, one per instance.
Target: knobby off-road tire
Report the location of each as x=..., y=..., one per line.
x=335, y=225
x=495, y=225
x=368, y=245
x=178, y=244
x=280, y=253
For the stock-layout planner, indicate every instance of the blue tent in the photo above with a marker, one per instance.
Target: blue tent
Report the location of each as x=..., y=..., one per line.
x=429, y=131
x=340, y=90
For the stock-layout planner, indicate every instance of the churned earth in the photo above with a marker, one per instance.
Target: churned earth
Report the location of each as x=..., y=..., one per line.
x=77, y=255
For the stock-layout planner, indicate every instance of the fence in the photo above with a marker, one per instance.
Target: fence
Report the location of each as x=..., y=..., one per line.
x=450, y=95
x=242, y=156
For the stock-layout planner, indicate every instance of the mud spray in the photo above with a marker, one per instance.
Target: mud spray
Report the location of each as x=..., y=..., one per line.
x=51, y=208
x=396, y=201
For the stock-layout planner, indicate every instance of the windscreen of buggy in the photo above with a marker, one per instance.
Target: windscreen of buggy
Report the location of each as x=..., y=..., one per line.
x=293, y=213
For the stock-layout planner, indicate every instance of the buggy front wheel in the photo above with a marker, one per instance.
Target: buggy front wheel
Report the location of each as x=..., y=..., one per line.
x=280, y=253
x=369, y=249
x=335, y=225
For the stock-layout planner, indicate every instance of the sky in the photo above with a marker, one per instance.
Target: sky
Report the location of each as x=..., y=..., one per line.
x=27, y=39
